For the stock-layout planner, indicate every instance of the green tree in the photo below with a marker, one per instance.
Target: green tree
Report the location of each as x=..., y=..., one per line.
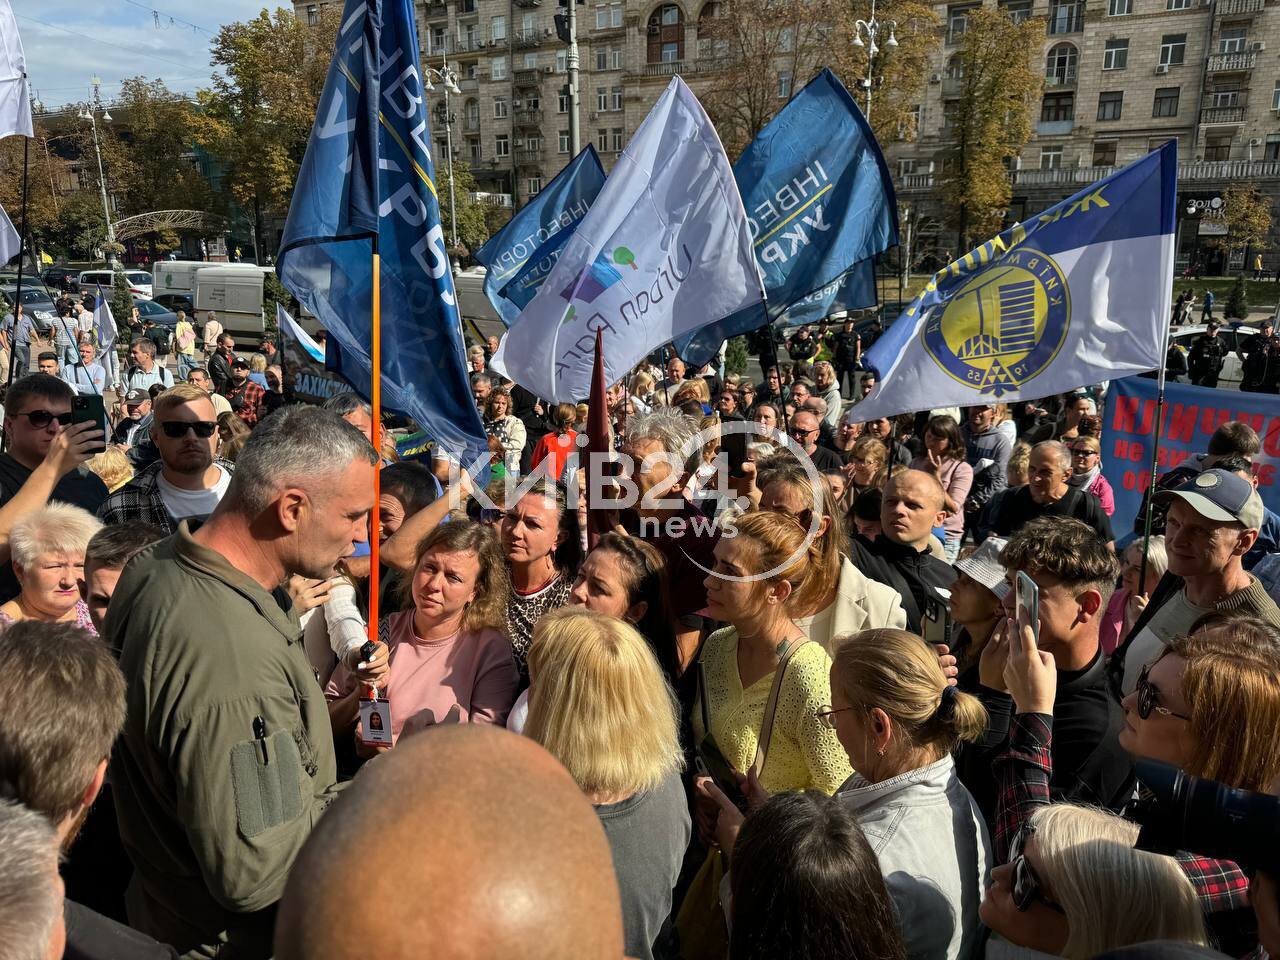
x=43, y=205
x=1246, y=211
x=1237, y=307
x=992, y=121
x=736, y=355
x=257, y=117
x=473, y=227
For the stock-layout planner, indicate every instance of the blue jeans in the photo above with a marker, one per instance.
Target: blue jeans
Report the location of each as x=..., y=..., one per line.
x=186, y=363
x=23, y=353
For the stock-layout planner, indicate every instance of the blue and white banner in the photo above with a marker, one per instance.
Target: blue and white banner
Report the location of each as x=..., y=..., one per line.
x=368, y=173
x=856, y=290
x=15, y=94
x=1075, y=296
x=10, y=243
x=664, y=249
x=526, y=248
x=305, y=376
x=819, y=199
x=104, y=323
x=290, y=328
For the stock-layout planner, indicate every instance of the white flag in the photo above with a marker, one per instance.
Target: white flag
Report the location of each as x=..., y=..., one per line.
x=15, y=104
x=665, y=249
x=10, y=242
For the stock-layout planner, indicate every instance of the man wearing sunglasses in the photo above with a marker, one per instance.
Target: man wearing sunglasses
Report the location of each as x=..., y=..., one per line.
x=805, y=430
x=38, y=466
x=187, y=482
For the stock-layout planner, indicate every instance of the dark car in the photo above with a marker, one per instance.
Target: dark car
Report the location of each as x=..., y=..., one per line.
x=176, y=302
x=63, y=278
x=150, y=310
x=35, y=302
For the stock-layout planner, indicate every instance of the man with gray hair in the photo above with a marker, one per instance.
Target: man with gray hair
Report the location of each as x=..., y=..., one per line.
x=226, y=760
x=31, y=925
x=1048, y=494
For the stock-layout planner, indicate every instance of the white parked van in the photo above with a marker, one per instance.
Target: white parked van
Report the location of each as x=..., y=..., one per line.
x=232, y=290
x=139, y=281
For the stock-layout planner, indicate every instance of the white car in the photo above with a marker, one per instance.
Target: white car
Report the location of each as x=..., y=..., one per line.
x=139, y=281
x=1233, y=335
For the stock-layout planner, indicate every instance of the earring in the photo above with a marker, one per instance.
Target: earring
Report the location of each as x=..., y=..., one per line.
x=880, y=752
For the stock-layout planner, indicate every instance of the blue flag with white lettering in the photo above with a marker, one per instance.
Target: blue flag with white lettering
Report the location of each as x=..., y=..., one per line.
x=856, y=290
x=819, y=199
x=519, y=256
x=367, y=184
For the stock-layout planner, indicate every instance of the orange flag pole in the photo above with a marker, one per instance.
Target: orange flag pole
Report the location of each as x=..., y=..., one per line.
x=375, y=400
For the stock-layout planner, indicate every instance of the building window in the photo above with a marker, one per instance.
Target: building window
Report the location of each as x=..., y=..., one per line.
x=665, y=35
x=1116, y=55
x=906, y=167
x=473, y=149
x=564, y=141
x=615, y=98
x=1173, y=49
x=1272, y=151
x=950, y=114
x=786, y=37
x=608, y=15
x=602, y=100
x=1017, y=10
x=500, y=108
x=1057, y=107
x=437, y=40
x=562, y=103
x=1225, y=95
x=957, y=20
x=1060, y=67
x=1166, y=102
x=531, y=61
x=535, y=186
x=562, y=61
x=1217, y=148
x=498, y=29
x=1110, y=104
x=1275, y=96
x=534, y=144
x=1104, y=153
x=955, y=68
x=498, y=68
x=1050, y=158
x=1178, y=4
x=1119, y=8
x=1233, y=39
x=313, y=15
x=602, y=140
x=784, y=84
x=1066, y=16
x=615, y=137
x=502, y=146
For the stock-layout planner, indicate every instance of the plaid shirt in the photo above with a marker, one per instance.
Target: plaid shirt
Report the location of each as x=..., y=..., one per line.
x=247, y=401
x=1022, y=778
x=139, y=500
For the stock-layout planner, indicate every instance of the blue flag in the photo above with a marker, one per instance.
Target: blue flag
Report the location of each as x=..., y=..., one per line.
x=1072, y=297
x=367, y=182
x=531, y=241
x=856, y=290
x=819, y=199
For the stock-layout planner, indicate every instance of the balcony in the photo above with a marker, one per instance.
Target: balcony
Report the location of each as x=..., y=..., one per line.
x=527, y=118
x=668, y=69
x=467, y=45
x=1060, y=80
x=1236, y=8
x=1059, y=177
x=528, y=77
x=1229, y=170
x=471, y=124
x=528, y=3
x=528, y=158
x=1231, y=115
x=526, y=39
x=1055, y=128
x=1220, y=170
x=952, y=87
x=435, y=9
x=466, y=8
x=1232, y=62
x=913, y=182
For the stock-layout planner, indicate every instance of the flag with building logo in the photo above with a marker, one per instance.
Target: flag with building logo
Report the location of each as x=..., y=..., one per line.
x=1074, y=296
x=15, y=97
x=664, y=249
x=526, y=248
x=367, y=175
x=819, y=199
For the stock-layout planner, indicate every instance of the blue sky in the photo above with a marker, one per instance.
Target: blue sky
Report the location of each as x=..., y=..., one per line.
x=68, y=41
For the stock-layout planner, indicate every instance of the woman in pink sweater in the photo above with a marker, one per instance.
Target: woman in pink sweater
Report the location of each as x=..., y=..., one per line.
x=449, y=660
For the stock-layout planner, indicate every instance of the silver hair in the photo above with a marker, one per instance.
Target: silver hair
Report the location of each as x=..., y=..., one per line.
x=30, y=901
x=816, y=405
x=346, y=403
x=54, y=528
x=295, y=446
x=146, y=345
x=673, y=431
x=1060, y=451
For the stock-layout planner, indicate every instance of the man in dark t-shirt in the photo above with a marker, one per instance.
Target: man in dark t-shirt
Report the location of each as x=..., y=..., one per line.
x=36, y=404
x=1047, y=494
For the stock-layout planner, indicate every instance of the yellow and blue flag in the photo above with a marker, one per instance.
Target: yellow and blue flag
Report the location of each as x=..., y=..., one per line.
x=519, y=256
x=367, y=185
x=819, y=201
x=1074, y=296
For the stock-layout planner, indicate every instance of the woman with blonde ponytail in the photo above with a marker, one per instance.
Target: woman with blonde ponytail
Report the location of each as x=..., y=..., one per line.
x=898, y=720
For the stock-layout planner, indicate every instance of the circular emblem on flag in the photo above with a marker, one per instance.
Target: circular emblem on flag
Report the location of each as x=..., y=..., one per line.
x=1004, y=325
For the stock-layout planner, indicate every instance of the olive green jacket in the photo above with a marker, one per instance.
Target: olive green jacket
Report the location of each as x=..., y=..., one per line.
x=226, y=761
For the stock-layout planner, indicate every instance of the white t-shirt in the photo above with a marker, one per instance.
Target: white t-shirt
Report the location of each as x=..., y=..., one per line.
x=192, y=504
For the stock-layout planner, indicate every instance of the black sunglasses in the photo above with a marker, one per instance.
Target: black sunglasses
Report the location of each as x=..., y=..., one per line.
x=42, y=418
x=1148, y=694
x=1026, y=885
x=177, y=429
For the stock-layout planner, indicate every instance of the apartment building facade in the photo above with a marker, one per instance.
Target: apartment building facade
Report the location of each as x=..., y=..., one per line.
x=1122, y=77
x=510, y=120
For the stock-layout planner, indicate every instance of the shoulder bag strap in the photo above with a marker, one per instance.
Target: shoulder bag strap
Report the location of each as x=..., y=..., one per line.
x=771, y=707
x=702, y=699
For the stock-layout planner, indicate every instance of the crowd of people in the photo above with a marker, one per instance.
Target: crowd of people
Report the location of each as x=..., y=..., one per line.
x=799, y=707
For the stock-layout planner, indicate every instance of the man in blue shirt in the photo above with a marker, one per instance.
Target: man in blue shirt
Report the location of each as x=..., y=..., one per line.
x=87, y=376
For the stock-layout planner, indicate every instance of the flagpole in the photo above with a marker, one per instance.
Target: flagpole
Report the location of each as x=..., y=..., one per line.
x=1155, y=453
x=375, y=399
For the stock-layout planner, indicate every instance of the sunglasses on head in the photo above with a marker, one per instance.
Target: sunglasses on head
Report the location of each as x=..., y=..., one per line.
x=42, y=418
x=177, y=429
x=1027, y=888
x=1149, y=695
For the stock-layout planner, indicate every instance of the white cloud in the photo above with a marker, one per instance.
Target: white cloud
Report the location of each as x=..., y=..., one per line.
x=69, y=41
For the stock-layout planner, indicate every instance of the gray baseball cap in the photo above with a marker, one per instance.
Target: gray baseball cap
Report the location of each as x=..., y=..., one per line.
x=1219, y=495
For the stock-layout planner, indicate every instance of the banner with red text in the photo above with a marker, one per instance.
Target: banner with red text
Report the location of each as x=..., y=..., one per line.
x=1191, y=414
